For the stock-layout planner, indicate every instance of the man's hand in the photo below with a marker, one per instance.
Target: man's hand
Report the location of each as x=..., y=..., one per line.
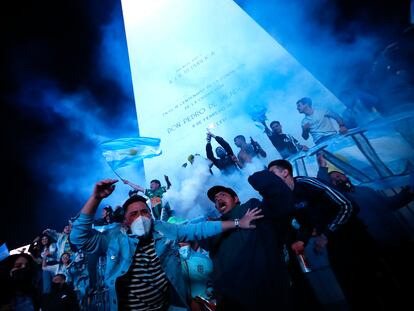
x=167, y=180
x=298, y=247
x=250, y=216
x=321, y=160
x=104, y=188
x=304, y=148
x=236, y=161
x=132, y=185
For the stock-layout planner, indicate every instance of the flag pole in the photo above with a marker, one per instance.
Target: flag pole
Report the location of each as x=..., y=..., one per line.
x=118, y=175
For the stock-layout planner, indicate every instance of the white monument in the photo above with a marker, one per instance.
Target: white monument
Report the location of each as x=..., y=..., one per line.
x=200, y=64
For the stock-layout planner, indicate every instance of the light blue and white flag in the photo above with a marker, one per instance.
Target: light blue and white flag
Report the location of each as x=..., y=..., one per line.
x=4, y=252
x=127, y=151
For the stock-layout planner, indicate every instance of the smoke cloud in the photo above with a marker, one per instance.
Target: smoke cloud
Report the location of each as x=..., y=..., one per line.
x=73, y=89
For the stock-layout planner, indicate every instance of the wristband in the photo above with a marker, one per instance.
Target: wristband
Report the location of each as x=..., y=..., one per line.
x=236, y=223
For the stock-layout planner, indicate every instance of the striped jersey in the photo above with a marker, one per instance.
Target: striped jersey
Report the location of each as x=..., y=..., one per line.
x=145, y=285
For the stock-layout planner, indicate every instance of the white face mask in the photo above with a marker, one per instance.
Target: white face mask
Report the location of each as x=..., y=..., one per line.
x=141, y=226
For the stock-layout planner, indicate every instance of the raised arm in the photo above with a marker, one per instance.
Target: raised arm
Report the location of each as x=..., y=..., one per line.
x=133, y=186
x=82, y=234
x=209, y=150
x=267, y=130
x=167, y=181
x=101, y=190
x=53, y=233
x=224, y=144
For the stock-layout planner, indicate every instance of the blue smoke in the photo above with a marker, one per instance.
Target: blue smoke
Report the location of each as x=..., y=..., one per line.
x=70, y=122
x=340, y=53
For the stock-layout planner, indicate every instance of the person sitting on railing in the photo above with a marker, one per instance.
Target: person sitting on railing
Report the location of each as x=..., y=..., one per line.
x=318, y=123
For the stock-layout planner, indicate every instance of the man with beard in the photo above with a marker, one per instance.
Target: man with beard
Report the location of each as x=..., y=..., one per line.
x=143, y=269
x=249, y=266
x=227, y=162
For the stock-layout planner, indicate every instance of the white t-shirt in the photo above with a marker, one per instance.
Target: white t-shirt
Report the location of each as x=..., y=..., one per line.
x=320, y=125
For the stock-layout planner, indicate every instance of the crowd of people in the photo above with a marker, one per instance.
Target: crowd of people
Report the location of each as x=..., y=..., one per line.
x=317, y=123
x=317, y=243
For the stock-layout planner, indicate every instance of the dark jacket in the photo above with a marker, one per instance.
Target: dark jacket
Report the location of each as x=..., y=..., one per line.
x=249, y=267
x=321, y=207
x=225, y=164
x=376, y=211
x=62, y=299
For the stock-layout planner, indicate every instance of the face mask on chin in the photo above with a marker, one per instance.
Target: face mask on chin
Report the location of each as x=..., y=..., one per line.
x=141, y=226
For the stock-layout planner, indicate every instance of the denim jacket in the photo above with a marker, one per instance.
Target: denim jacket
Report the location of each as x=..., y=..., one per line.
x=120, y=247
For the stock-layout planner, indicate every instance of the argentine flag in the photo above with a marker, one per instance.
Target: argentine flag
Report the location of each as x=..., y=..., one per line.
x=4, y=252
x=127, y=151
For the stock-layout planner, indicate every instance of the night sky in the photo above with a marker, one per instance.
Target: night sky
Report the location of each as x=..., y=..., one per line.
x=66, y=81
